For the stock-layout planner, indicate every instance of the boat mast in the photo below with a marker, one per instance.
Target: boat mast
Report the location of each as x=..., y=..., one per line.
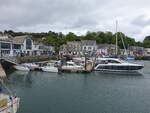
x=124, y=45
x=116, y=38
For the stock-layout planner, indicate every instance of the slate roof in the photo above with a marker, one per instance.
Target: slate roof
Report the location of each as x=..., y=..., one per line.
x=20, y=39
x=6, y=38
x=88, y=42
x=102, y=46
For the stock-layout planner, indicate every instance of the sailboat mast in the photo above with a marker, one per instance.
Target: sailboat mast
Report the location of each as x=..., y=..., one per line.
x=116, y=38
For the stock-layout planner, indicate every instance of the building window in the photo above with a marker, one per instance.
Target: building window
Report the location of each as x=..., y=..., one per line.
x=41, y=47
x=89, y=48
x=16, y=46
x=28, y=44
x=5, y=52
x=5, y=45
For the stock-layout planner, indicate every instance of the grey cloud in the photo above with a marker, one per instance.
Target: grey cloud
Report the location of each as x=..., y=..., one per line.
x=141, y=21
x=85, y=22
x=73, y=15
x=43, y=11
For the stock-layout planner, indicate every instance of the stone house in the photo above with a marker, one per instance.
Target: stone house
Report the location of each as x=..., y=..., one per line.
x=89, y=46
x=147, y=52
x=106, y=49
x=74, y=47
x=78, y=48
x=136, y=51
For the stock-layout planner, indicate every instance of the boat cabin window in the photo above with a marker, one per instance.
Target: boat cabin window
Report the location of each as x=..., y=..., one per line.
x=70, y=64
x=102, y=62
x=113, y=61
x=50, y=64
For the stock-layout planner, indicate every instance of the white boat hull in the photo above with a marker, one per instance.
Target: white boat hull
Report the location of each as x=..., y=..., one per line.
x=50, y=69
x=72, y=67
x=31, y=66
x=116, y=65
x=119, y=68
x=111, y=70
x=21, y=68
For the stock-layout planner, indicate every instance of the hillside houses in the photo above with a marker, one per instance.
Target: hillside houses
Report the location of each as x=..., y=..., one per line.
x=136, y=51
x=89, y=46
x=106, y=49
x=78, y=47
x=147, y=52
x=26, y=46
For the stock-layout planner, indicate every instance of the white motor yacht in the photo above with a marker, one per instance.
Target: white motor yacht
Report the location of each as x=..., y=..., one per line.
x=21, y=67
x=72, y=66
x=113, y=64
x=50, y=67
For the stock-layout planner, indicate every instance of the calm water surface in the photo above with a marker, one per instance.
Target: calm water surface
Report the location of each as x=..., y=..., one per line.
x=42, y=92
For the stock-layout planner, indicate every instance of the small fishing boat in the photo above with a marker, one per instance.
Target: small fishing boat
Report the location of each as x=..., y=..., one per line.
x=31, y=66
x=21, y=67
x=72, y=67
x=50, y=67
x=116, y=65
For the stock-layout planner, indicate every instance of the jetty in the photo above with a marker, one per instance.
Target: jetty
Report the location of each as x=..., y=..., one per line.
x=12, y=60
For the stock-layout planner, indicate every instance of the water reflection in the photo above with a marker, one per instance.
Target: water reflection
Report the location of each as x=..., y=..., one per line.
x=21, y=78
x=136, y=73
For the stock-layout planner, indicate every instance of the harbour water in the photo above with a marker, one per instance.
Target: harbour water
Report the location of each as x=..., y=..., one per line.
x=96, y=92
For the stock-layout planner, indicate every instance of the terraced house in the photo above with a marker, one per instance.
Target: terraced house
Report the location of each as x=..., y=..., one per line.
x=78, y=48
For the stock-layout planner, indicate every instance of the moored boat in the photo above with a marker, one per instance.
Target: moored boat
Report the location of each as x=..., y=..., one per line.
x=113, y=64
x=72, y=67
x=21, y=67
x=31, y=66
x=50, y=67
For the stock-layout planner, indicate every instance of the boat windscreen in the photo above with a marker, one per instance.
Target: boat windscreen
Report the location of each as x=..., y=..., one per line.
x=123, y=61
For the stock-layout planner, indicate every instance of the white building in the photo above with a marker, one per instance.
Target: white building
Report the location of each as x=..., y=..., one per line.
x=22, y=45
x=6, y=45
x=78, y=48
x=89, y=45
x=63, y=49
x=136, y=51
x=45, y=49
x=106, y=49
x=26, y=43
x=147, y=52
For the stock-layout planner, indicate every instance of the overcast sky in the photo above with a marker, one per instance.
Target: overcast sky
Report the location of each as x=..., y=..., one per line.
x=78, y=16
